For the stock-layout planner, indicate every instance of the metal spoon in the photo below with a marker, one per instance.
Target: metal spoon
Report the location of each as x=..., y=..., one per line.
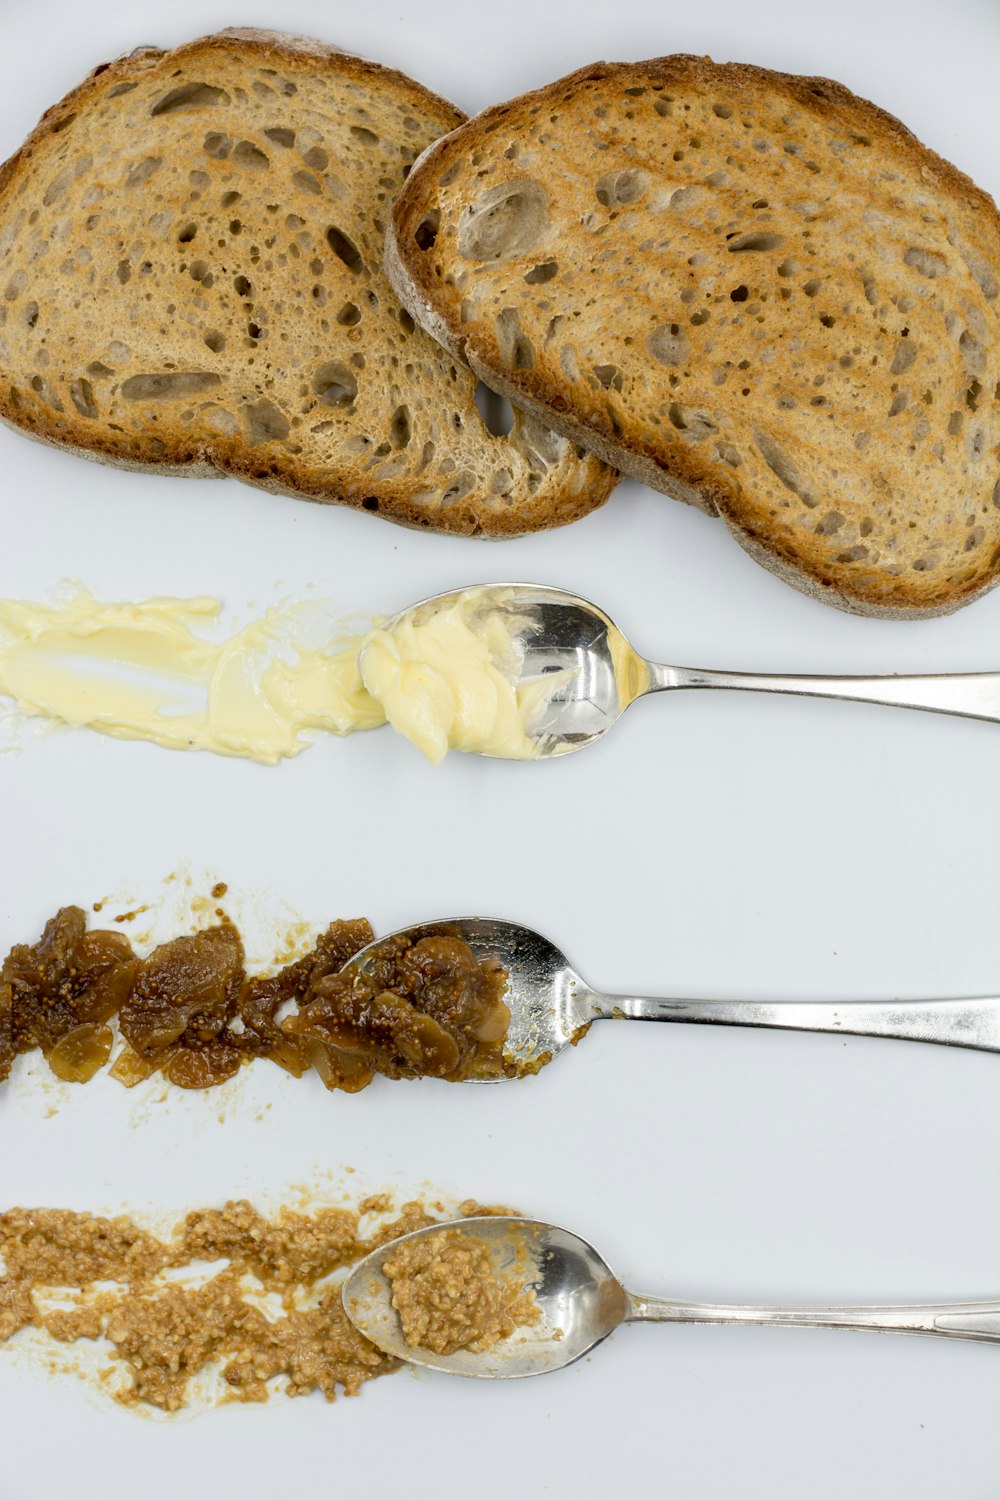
x=552, y=1006
x=582, y=1301
x=554, y=631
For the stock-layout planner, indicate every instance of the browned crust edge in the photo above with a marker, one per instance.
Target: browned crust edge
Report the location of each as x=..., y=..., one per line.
x=393, y=502
x=679, y=479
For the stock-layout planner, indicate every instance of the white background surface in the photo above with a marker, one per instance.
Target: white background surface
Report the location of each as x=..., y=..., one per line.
x=711, y=845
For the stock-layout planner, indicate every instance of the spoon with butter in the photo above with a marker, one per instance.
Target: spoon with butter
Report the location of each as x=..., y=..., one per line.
x=580, y=1301
x=570, y=673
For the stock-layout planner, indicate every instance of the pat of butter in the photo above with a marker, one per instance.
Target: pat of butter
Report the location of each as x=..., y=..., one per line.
x=142, y=671
x=438, y=684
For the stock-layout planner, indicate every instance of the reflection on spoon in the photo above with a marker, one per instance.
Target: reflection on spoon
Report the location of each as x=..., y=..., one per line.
x=553, y=632
x=581, y=1302
x=552, y=1006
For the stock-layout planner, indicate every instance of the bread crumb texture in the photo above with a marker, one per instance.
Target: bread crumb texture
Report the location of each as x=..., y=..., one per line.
x=755, y=292
x=191, y=280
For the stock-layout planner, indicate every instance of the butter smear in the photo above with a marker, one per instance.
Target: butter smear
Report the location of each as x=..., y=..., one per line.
x=146, y=671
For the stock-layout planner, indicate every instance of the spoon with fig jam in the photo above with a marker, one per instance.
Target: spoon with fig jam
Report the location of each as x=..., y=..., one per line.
x=551, y=1006
x=579, y=1301
x=558, y=637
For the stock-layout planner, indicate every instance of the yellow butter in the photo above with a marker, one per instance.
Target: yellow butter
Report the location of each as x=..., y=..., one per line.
x=143, y=671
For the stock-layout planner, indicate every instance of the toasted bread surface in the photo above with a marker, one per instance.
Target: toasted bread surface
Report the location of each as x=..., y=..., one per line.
x=191, y=281
x=756, y=292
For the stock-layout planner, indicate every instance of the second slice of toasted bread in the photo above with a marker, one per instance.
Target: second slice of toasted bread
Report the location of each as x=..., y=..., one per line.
x=191, y=281
x=755, y=292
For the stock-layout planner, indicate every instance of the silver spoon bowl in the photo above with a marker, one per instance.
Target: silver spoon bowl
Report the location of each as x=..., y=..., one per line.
x=581, y=1302
x=552, y=1006
x=597, y=674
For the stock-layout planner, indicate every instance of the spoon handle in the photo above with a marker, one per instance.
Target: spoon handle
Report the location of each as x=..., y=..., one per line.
x=973, y=1022
x=955, y=1320
x=974, y=695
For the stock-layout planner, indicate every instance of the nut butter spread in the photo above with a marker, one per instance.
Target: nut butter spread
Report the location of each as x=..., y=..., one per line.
x=449, y=1297
x=190, y=1011
x=165, y=1320
x=146, y=671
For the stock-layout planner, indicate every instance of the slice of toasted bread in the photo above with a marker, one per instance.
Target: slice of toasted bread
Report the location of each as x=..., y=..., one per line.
x=191, y=280
x=755, y=292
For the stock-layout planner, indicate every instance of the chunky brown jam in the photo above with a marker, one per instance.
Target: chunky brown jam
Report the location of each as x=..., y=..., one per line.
x=190, y=1010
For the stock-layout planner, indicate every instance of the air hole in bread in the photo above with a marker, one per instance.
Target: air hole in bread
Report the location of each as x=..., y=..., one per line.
x=250, y=157
x=400, y=427
x=782, y=467
x=458, y=487
x=812, y=286
x=609, y=376
x=364, y=135
x=190, y=96
x=264, y=421
x=82, y=396
x=187, y=233
x=215, y=341
x=739, y=293
x=507, y=221
x=426, y=232
x=724, y=111
x=729, y=455
x=344, y=249
x=349, y=315
x=973, y=353
x=829, y=524
x=925, y=263
x=622, y=187
x=906, y=353
x=669, y=344
x=695, y=425
x=217, y=144
x=335, y=384
x=279, y=135
x=172, y=385
x=975, y=443
x=143, y=171
x=544, y=271
x=755, y=241
x=308, y=183
x=496, y=411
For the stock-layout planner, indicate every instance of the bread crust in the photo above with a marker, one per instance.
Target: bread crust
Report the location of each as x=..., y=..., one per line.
x=681, y=473
x=232, y=457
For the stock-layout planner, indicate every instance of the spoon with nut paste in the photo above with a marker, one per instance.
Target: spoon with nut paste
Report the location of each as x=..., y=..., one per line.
x=551, y=1006
x=580, y=1302
x=595, y=673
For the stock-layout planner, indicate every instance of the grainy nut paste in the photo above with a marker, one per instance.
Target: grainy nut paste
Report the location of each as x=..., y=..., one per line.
x=164, y=1328
x=449, y=1296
